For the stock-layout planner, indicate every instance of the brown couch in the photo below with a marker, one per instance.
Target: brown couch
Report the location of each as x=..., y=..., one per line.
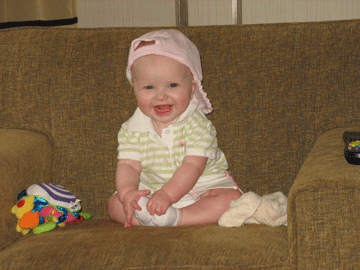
x=283, y=94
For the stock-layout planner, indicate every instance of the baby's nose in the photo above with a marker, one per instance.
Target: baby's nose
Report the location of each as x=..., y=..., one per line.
x=161, y=95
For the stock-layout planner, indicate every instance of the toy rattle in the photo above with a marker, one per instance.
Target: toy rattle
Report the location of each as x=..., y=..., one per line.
x=43, y=206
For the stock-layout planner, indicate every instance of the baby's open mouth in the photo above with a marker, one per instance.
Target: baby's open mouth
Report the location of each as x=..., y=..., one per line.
x=163, y=109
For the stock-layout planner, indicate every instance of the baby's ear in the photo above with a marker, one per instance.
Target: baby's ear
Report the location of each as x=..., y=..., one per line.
x=193, y=87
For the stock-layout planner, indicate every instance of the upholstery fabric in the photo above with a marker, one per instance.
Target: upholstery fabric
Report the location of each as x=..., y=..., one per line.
x=276, y=89
x=25, y=156
x=325, y=197
x=189, y=247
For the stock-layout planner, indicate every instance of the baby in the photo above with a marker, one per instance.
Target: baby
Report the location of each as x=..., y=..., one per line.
x=170, y=171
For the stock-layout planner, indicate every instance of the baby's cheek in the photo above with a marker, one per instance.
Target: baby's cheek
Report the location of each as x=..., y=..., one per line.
x=144, y=106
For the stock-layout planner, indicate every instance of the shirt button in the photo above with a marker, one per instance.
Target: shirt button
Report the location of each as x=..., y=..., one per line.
x=167, y=131
x=165, y=160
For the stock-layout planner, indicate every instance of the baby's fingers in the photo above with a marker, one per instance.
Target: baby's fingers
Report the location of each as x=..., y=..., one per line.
x=128, y=217
x=135, y=205
x=151, y=207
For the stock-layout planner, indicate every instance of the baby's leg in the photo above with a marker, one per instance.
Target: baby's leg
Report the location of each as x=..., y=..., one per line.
x=116, y=211
x=209, y=208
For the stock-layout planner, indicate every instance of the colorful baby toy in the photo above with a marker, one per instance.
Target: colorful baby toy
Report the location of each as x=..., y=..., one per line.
x=352, y=147
x=42, y=207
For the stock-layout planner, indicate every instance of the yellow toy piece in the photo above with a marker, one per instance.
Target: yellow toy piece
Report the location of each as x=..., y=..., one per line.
x=54, y=219
x=354, y=144
x=24, y=206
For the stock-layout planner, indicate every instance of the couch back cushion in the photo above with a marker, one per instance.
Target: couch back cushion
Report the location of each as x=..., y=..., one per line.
x=274, y=89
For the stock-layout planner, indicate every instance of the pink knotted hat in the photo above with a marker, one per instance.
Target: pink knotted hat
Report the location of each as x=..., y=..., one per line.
x=176, y=45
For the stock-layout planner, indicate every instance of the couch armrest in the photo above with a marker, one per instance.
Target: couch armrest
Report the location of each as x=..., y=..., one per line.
x=324, y=208
x=25, y=158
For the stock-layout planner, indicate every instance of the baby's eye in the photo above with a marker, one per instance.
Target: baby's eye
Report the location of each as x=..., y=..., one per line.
x=173, y=84
x=149, y=87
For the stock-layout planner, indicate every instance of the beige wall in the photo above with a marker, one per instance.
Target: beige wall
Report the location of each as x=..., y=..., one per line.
x=117, y=13
x=126, y=13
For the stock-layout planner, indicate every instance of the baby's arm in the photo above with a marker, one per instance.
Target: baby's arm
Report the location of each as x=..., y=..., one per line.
x=183, y=180
x=127, y=183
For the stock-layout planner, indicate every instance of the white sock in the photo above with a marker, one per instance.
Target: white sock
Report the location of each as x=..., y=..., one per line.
x=143, y=216
x=170, y=218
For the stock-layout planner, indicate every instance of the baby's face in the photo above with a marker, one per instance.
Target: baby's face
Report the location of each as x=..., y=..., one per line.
x=163, y=88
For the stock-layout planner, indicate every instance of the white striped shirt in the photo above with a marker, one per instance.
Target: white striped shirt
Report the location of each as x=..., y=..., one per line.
x=192, y=134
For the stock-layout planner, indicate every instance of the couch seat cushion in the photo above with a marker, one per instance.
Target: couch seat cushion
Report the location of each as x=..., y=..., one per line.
x=97, y=244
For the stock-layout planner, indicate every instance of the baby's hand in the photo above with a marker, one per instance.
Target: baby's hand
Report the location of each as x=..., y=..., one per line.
x=130, y=203
x=159, y=203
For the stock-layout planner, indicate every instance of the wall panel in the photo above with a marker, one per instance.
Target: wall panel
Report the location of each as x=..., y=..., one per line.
x=210, y=12
x=278, y=11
